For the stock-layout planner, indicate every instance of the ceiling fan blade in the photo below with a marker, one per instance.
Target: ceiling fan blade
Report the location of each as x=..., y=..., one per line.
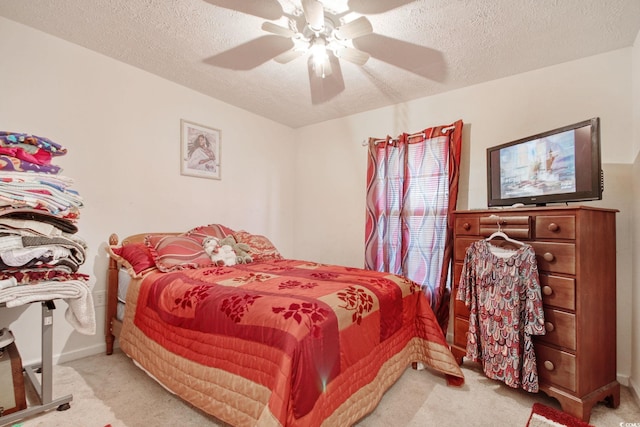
x=323, y=90
x=423, y=61
x=267, y=9
x=277, y=29
x=372, y=7
x=288, y=56
x=356, y=28
x=356, y=56
x=251, y=54
x=314, y=14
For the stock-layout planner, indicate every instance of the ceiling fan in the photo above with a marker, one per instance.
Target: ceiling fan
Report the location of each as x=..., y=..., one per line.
x=327, y=36
x=321, y=34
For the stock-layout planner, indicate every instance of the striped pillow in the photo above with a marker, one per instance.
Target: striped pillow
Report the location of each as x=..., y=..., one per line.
x=261, y=248
x=172, y=253
x=212, y=230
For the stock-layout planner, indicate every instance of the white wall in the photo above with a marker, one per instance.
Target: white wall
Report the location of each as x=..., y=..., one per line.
x=635, y=193
x=121, y=126
x=331, y=161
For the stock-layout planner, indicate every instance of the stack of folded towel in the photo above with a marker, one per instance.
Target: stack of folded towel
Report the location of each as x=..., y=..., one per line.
x=38, y=241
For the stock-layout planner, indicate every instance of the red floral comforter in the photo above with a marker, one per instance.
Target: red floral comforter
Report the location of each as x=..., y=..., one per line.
x=294, y=328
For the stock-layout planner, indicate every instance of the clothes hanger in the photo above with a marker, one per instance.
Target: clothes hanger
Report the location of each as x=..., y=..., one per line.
x=502, y=234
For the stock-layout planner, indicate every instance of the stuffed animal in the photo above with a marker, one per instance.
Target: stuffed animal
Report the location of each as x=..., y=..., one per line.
x=241, y=249
x=220, y=254
x=210, y=244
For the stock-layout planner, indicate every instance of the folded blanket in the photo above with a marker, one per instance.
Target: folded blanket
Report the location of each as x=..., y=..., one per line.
x=63, y=222
x=43, y=273
x=39, y=156
x=59, y=181
x=9, y=163
x=76, y=245
x=38, y=194
x=14, y=227
x=76, y=293
x=67, y=251
x=15, y=138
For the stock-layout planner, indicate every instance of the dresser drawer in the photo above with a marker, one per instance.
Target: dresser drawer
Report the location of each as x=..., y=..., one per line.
x=466, y=226
x=460, y=247
x=555, y=257
x=556, y=227
x=516, y=227
x=558, y=291
x=561, y=329
x=556, y=367
x=460, y=309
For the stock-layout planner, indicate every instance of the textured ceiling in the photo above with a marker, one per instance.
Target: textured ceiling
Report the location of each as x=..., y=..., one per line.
x=418, y=48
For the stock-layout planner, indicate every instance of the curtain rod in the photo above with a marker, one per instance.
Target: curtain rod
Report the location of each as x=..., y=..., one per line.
x=365, y=142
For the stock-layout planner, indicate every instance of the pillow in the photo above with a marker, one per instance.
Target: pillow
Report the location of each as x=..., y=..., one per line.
x=261, y=248
x=212, y=230
x=135, y=257
x=171, y=253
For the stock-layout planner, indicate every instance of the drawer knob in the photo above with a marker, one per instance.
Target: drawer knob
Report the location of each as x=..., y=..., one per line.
x=548, y=365
x=549, y=326
x=548, y=256
x=553, y=227
x=547, y=290
x=466, y=226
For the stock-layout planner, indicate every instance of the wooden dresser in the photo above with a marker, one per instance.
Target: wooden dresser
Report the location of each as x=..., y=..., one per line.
x=575, y=250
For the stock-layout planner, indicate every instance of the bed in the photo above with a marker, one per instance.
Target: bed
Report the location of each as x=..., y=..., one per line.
x=273, y=342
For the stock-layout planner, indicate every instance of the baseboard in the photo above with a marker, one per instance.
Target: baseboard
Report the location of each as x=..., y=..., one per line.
x=633, y=387
x=623, y=379
x=72, y=355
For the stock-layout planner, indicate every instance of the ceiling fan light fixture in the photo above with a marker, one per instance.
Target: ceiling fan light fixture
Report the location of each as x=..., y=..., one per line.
x=320, y=57
x=318, y=48
x=321, y=69
x=321, y=35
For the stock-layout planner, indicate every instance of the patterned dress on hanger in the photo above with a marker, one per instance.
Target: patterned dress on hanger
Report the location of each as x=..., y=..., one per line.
x=505, y=303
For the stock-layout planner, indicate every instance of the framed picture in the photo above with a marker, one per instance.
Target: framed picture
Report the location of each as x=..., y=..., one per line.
x=199, y=150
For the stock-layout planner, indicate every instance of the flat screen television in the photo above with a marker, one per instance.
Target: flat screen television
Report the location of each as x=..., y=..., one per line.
x=557, y=166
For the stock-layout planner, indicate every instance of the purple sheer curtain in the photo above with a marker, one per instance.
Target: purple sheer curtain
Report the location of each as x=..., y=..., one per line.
x=412, y=189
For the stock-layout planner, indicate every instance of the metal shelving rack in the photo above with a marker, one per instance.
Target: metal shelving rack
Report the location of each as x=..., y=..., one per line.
x=42, y=386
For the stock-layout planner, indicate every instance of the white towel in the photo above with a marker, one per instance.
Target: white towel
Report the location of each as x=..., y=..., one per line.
x=8, y=282
x=76, y=293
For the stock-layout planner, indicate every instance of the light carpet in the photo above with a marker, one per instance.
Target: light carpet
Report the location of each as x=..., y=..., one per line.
x=112, y=390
